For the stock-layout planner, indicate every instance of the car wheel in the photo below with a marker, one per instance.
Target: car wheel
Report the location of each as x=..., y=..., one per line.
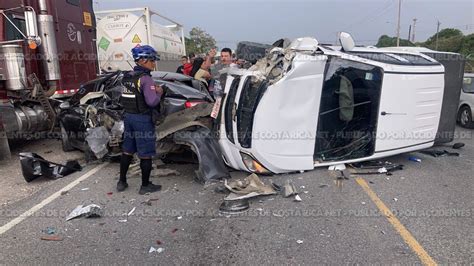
x=65, y=140
x=465, y=117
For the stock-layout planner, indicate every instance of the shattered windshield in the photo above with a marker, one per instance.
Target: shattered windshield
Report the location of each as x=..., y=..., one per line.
x=348, y=111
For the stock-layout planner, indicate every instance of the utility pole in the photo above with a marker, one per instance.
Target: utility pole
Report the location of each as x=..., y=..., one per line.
x=414, y=27
x=437, y=34
x=398, y=24
x=409, y=33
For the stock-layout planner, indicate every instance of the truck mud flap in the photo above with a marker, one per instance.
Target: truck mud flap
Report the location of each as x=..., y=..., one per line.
x=205, y=146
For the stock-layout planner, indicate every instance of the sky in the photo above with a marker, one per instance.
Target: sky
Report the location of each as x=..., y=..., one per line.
x=265, y=21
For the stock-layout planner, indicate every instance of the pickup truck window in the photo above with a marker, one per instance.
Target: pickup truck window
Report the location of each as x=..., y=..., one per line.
x=468, y=85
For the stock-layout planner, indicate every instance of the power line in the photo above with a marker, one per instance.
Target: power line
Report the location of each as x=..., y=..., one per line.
x=370, y=16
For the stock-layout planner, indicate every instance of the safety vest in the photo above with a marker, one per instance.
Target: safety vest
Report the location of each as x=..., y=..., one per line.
x=132, y=98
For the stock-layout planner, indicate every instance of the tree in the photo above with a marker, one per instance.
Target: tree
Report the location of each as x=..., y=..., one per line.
x=387, y=41
x=199, y=41
x=444, y=34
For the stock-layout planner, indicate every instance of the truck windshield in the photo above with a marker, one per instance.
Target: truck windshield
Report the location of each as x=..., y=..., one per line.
x=468, y=85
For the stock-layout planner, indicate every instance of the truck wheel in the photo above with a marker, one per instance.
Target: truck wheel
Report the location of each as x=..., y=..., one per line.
x=65, y=140
x=465, y=117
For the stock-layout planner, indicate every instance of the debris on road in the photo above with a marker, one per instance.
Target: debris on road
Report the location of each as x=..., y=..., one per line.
x=289, y=189
x=148, y=202
x=131, y=211
x=458, y=145
x=174, y=230
x=250, y=187
x=123, y=221
x=299, y=241
x=34, y=166
x=157, y=250
x=89, y=211
x=376, y=168
x=414, y=159
x=277, y=187
x=298, y=198
x=52, y=238
x=234, y=206
x=97, y=139
x=136, y=172
x=85, y=189
x=221, y=189
x=439, y=153
x=337, y=167
x=49, y=231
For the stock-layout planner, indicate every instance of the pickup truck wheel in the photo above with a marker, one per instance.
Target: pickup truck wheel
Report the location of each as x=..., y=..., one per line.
x=65, y=140
x=465, y=117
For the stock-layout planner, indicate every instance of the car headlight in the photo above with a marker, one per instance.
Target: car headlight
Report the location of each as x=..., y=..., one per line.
x=253, y=165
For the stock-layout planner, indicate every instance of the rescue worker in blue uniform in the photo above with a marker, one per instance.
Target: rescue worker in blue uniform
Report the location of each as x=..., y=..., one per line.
x=139, y=98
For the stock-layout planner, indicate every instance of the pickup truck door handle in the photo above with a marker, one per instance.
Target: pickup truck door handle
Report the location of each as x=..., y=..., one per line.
x=385, y=113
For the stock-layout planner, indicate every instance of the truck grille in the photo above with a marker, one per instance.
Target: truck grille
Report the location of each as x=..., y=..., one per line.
x=251, y=95
x=228, y=109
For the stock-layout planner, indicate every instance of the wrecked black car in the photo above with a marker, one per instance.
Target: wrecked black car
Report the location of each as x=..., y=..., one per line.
x=91, y=121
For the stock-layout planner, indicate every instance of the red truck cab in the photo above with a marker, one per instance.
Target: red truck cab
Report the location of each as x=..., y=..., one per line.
x=64, y=32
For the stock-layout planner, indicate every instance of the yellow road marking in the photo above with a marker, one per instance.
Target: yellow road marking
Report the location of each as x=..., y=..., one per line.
x=404, y=233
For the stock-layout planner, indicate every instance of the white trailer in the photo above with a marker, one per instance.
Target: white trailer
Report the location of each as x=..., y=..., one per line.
x=118, y=31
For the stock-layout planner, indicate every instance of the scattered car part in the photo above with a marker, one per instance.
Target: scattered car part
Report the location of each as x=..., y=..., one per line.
x=251, y=184
x=234, y=206
x=34, y=166
x=205, y=146
x=89, y=211
x=439, y=153
x=289, y=189
x=375, y=168
x=97, y=139
x=251, y=51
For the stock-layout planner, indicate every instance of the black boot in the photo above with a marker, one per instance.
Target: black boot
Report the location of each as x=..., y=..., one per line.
x=150, y=188
x=147, y=187
x=125, y=162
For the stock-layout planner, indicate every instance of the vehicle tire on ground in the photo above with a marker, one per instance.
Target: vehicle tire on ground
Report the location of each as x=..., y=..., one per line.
x=65, y=140
x=465, y=117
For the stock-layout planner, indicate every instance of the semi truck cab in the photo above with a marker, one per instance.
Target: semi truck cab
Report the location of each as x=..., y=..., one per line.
x=47, y=50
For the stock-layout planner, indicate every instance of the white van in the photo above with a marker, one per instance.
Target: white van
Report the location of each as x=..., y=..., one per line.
x=466, y=104
x=310, y=105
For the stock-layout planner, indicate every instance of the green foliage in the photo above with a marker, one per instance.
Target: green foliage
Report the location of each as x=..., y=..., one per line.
x=444, y=34
x=387, y=41
x=199, y=41
x=449, y=40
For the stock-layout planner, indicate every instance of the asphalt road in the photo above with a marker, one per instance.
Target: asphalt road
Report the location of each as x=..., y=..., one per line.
x=334, y=224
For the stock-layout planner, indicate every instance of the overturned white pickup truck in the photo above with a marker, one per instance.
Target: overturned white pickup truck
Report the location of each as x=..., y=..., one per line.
x=307, y=105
